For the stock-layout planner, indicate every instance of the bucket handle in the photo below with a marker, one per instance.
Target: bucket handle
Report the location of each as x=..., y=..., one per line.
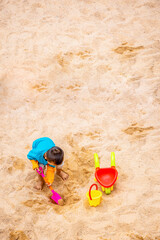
x=90, y=190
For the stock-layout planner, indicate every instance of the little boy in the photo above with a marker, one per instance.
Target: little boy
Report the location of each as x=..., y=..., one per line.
x=44, y=152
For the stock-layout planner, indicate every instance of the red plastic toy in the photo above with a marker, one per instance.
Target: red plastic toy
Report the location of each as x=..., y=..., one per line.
x=106, y=176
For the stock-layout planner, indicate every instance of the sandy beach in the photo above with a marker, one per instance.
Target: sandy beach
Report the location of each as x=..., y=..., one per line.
x=87, y=75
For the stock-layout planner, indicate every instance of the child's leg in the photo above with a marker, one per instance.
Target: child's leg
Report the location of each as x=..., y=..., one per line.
x=40, y=183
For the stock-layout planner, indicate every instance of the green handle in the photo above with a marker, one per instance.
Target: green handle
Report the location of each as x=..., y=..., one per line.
x=96, y=160
x=113, y=159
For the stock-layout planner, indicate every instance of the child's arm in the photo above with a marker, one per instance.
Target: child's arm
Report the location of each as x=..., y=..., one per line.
x=50, y=174
x=34, y=164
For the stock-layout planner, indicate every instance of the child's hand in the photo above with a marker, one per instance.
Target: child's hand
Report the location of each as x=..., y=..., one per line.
x=48, y=184
x=37, y=169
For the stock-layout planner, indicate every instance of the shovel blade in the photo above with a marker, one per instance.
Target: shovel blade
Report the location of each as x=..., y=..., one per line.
x=56, y=197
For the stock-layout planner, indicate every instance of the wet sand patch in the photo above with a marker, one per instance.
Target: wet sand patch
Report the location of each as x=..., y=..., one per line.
x=17, y=235
x=138, y=131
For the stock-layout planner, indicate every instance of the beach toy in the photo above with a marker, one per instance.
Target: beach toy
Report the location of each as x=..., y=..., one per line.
x=94, y=196
x=55, y=197
x=106, y=177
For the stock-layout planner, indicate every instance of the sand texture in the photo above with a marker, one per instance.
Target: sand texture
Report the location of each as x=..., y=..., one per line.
x=86, y=74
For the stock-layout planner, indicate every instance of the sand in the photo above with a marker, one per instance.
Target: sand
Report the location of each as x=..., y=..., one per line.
x=86, y=74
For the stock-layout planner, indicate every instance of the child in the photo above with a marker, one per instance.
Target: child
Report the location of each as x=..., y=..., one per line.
x=44, y=152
